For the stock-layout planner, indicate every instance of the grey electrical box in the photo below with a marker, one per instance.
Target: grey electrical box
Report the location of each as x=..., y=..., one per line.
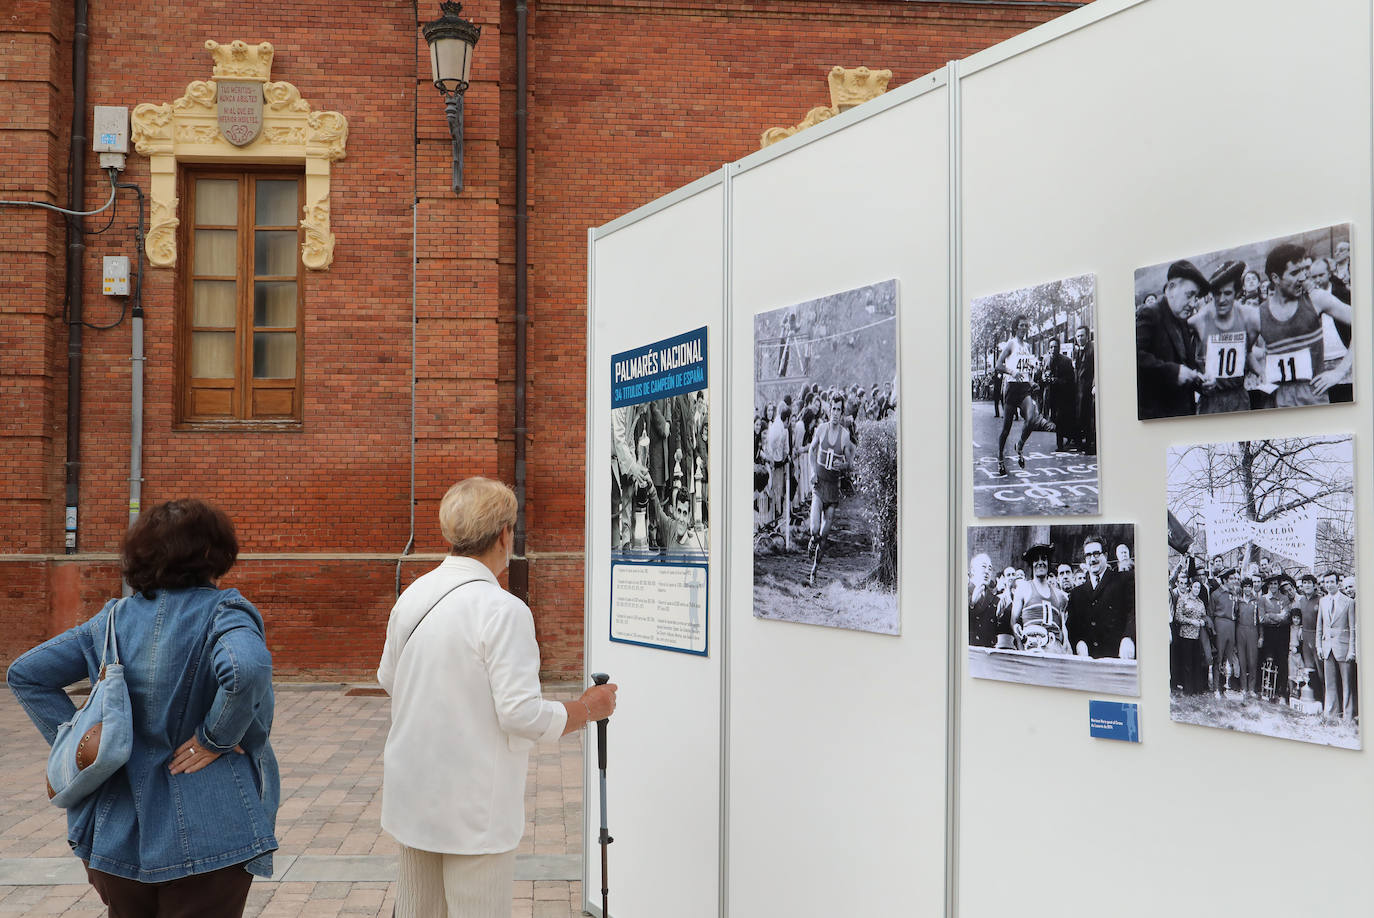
x=111, y=129
x=116, y=275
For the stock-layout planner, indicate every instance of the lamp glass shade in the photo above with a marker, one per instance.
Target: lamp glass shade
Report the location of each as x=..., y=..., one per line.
x=450, y=64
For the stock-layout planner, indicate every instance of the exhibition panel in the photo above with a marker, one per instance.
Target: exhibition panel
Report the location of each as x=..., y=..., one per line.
x=655, y=368
x=968, y=524
x=838, y=674
x=1152, y=132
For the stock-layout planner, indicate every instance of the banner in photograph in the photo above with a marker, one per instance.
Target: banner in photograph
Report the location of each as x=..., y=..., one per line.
x=1292, y=536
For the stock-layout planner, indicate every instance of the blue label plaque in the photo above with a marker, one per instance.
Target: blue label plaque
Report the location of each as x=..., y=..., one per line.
x=1118, y=720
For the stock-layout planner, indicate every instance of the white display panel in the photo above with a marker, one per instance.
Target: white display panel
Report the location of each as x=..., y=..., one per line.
x=655, y=274
x=1155, y=130
x=836, y=739
x=809, y=766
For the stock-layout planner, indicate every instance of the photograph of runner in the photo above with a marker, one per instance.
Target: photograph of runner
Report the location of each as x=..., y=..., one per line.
x=1062, y=611
x=1261, y=325
x=1034, y=392
x=825, y=461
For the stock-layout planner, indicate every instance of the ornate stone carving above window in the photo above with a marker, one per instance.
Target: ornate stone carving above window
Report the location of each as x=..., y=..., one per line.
x=285, y=130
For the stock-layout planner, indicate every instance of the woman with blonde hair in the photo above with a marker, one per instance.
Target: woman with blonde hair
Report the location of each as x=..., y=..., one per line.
x=462, y=667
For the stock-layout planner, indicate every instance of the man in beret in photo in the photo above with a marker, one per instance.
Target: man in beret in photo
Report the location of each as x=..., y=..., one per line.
x=1167, y=373
x=1226, y=334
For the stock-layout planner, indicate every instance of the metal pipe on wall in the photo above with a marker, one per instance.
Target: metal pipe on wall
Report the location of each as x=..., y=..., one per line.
x=76, y=249
x=414, y=272
x=519, y=566
x=136, y=363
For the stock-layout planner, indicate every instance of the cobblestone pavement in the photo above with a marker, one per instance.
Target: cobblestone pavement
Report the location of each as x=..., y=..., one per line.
x=334, y=858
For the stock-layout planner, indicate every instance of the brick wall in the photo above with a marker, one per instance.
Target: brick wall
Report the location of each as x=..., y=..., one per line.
x=35, y=115
x=629, y=99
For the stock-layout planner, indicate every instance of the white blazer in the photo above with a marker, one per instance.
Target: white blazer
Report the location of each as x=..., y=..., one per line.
x=465, y=711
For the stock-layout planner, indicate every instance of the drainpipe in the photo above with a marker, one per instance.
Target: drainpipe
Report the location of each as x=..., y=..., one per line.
x=414, y=273
x=519, y=577
x=76, y=249
x=136, y=362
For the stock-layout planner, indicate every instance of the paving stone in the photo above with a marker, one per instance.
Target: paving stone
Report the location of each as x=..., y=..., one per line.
x=329, y=749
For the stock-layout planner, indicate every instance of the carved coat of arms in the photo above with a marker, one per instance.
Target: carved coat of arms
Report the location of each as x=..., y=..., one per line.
x=239, y=105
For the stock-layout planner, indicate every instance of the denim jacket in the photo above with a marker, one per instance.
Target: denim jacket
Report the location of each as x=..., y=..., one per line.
x=196, y=664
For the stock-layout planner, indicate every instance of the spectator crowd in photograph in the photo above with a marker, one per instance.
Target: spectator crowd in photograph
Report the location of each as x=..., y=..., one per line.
x=1236, y=339
x=1261, y=634
x=1071, y=606
x=659, y=474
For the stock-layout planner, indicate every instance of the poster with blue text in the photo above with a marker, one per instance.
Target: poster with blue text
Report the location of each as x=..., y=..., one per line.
x=660, y=486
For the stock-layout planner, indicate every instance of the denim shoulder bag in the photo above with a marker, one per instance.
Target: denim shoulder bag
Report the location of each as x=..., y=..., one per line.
x=97, y=741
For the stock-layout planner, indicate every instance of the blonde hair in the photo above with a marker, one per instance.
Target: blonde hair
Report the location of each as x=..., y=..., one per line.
x=473, y=514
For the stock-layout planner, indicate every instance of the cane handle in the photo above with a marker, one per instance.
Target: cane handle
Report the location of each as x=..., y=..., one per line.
x=601, y=679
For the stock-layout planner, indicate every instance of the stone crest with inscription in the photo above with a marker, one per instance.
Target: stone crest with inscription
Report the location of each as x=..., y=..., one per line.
x=239, y=106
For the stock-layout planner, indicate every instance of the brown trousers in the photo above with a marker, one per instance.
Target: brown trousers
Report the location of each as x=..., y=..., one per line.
x=218, y=894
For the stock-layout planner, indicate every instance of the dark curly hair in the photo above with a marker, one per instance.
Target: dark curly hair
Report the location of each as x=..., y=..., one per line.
x=178, y=544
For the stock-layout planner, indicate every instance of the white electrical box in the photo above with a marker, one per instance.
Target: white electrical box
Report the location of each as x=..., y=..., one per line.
x=111, y=132
x=116, y=275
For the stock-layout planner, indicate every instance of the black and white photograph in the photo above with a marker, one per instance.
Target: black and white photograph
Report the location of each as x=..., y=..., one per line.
x=1262, y=626
x=1261, y=325
x=660, y=451
x=659, y=479
x=1053, y=606
x=826, y=461
x=1034, y=389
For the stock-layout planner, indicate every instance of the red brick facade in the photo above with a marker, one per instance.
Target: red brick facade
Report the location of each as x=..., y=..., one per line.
x=628, y=100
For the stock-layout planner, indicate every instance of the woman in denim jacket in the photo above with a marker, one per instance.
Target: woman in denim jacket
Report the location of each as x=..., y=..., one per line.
x=186, y=824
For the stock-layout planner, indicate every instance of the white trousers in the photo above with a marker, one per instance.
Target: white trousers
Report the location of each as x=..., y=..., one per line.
x=454, y=885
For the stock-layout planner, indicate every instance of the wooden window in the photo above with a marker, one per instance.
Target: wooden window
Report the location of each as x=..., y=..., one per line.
x=240, y=336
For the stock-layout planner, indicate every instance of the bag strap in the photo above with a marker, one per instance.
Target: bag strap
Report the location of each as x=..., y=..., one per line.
x=110, y=646
x=431, y=609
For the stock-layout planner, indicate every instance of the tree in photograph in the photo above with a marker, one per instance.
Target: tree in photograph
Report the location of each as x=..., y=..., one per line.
x=1059, y=306
x=1266, y=480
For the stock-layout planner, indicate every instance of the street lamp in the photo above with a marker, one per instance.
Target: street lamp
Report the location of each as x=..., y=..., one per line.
x=451, y=39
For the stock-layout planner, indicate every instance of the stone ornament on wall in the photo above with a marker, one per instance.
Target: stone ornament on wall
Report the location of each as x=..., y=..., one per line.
x=848, y=88
x=188, y=130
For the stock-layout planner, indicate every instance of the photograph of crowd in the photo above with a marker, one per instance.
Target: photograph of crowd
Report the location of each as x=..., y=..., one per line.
x=1053, y=605
x=1262, y=325
x=825, y=461
x=659, y=479
x=1034, y=388
x=1262, y=625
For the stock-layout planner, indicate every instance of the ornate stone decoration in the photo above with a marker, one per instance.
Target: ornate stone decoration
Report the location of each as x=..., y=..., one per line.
x=188, y=130
x=848, y=88
x=239, y=60
x=318, y=250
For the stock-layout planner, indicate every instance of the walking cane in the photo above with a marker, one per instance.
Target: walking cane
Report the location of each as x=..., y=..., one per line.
x=605, y=838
